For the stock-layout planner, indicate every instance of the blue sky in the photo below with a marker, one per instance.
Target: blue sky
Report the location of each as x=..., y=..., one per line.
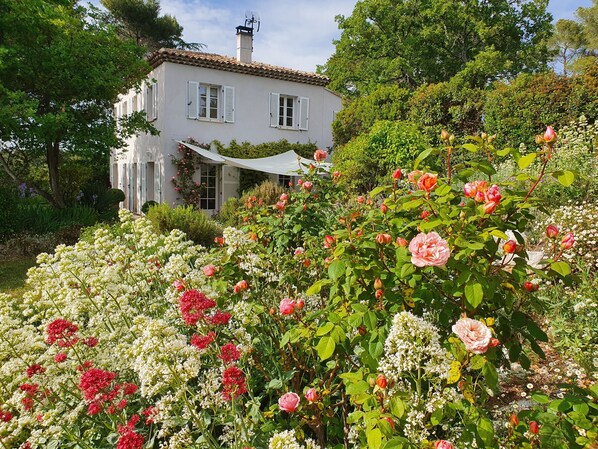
x=294, y=33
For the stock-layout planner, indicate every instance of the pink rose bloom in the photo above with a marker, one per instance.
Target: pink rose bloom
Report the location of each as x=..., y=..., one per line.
x=320, y=155
x=307, y=185
x=209, y=270
x=414, y=176
x=469, y=190
x=284, y=197
x=443, y=444
x=493, y=195
x=427, y=182
x=311, y=395
x=179, y=284
x=289, y=402
x=287, y=306
x=474, y=334
x=567, y=241
x=490, y=207
x=429, y=250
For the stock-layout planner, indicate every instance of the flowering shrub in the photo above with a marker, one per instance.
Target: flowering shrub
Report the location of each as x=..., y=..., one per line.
x=328, y=321
x=189, y=190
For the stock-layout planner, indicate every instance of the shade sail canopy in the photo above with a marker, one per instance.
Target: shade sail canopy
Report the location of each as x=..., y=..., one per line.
x=289, y=163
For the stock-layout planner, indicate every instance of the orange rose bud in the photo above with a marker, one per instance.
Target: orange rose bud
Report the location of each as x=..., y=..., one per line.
x=510, y=247
x=381, y=381
x=534, y=427
x=398, y=174
x=568, y=241
x=530, y=286
x=383, y=208
x=377, y=284
x=549, y=135
x=445, y=135
x=552, y=231
x=383, y=239
x=494, y=342
x=514, y=420
x=379, y=293
x=402, y=242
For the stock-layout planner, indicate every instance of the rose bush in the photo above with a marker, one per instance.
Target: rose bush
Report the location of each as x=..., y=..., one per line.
x=327, y=321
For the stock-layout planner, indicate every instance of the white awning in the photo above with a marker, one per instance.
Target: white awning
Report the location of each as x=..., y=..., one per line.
x=289, y=163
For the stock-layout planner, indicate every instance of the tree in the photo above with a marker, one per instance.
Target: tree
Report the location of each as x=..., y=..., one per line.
x=60, y=74
x=412, y=42
x=569, y=41
x=141, y=21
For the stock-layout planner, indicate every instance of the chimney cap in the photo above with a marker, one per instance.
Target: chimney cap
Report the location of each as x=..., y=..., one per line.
x=245, y=30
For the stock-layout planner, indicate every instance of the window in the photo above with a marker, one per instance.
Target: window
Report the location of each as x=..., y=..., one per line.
x=289, y=112
x=285, y=180
x=207, y=183
x=151, y=101
x=210, y=102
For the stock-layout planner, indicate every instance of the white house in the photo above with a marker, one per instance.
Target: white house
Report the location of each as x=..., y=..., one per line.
x=212, y=97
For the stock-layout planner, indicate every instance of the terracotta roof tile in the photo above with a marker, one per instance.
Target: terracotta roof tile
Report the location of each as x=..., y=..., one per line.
x=229, y=64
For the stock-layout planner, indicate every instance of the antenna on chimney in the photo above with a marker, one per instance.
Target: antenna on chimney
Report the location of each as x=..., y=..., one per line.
x=251, y=19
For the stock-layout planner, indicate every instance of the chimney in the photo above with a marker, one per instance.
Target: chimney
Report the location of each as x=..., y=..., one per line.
x=244, y=44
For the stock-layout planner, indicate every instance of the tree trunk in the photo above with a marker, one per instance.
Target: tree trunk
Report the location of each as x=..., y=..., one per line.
x=53, y=160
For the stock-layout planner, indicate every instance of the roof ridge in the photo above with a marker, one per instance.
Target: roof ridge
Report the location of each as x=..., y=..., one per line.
x=229, y=63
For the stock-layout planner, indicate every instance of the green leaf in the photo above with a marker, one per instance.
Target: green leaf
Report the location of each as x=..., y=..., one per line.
x=503, y=152
x=336, y=269
x=498, y=233
x=370, y=320
x=317, y=287
x=474, y=294
x=326, y=347
x=324, y=329
x=424, y=154
x=566, y=178
x=540, y=398
x=561, y=268
x=357, y=388
x=477, y=362
x=275, y=384
x=486, y=431
x=374, y=437
x=407, y=270
x=470, y=147
x=436, y=417
x=397, y=407
x=526, y=161
x=490, y=375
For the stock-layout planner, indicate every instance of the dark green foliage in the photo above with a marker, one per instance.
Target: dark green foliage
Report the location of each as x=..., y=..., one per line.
x=371, y=158
x=146, y=206
x=248, y=150
x=198, y=227
x=518, y=110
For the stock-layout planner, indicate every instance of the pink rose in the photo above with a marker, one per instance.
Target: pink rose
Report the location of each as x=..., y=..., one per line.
x=209, y=270
x=493, y=195
x=320, y=155
x=552, y=231
x=307, y=185
x=289, y=402
x=549, y=135
x=179, y=284
x=287, y=306
x=284, y=197
x=567, y=241
x=474, y=334
x=469, y=190
x=311, y=395
x=443, y=444
x=429, y=250
x=427, y=182
x=490, y=207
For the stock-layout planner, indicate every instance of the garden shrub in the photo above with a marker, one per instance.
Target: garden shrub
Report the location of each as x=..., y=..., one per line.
x=330, y=320
x=368, y=160
x=194, y=223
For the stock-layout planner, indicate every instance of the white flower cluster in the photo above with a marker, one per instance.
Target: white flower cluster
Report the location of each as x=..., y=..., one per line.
x=287, y=440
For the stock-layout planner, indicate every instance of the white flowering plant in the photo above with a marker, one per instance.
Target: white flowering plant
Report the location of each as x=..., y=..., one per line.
x=326, y=322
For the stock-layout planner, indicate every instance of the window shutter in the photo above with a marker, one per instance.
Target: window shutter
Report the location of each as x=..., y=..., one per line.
x=139, y=186
x=157, y=183
x=192, y=99
x=148, y=102
x=274, y=104
x=229, y=104
x=143, y=185
x=130, y=191
x=303, y=113
x=155, y=101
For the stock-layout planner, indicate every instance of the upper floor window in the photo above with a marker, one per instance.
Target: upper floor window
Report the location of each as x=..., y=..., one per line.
x=290, y=112
x=210, y=102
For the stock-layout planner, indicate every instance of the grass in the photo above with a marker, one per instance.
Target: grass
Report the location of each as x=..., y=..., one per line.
x=13, y=274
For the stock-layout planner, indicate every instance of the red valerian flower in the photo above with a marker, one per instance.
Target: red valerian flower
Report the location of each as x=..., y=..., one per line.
x=129, y=388
x=202, y=341
x=149, y=414
x=35, y=369
x=229, y=353
x=92, y=342
x=5, y=416
x=192, y=304
x=220, y=318
x=94, y=408
x=129, y=439
x=95, y=381
x=62, y=332
x=233, y=381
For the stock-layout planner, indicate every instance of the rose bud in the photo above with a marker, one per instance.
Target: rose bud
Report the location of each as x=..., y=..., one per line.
x=510, y=247
x=493, y=343
x=300, y=182
x=328, y=241
x=534, y=427
x=402, y=242
x=209, y=270
x=280, y=205
x=284, y=197
x=320, y=155
x=539, y=139
x=377, y=284
x=336, y=174
x=240, y=286
x=379, y=294
x=568, y=241
x=383, y=239
x=219, y=240
x=360, y=199
x=311, y=395
x=514, y=420
x=549, y=135
x=552, y=231
x=490, y=207
x=530, y=286
x=300, y=304
x=306, y=263
x=444, y=135
x=397, y=174
x=287, y=306
x=383, y=208
x=425, y=214
x=381, y=381
x=289, y=402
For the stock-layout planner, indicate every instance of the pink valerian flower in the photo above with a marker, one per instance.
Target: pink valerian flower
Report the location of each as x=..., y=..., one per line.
x=34, y=369
x=320, y=155
x=62, y=332
x=30, y=391
x=429, y=250
x=203, y=341
x=129, y=388
x=233, y=382
x=94, y=408
x=90, y=342
x=150, y=414
x=229, y=353
x=287, y=306
x=192, y=305
x=289, y=402
x=474, y=334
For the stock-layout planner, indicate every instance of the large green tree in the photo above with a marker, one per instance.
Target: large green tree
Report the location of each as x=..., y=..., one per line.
x=412, y=42
x=141, y=21
x=569, y=41
x=60, y=74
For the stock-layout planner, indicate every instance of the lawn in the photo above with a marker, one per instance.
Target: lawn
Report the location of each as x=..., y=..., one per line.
x=13, y=273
